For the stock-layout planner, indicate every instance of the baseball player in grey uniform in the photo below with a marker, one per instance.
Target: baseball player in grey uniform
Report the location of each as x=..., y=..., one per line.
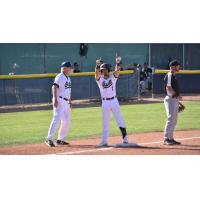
x=61, y=91
x=106, y=82
x=171, y=102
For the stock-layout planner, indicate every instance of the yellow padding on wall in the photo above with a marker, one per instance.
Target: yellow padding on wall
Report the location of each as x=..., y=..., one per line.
x=50, y=75
x=158, y=71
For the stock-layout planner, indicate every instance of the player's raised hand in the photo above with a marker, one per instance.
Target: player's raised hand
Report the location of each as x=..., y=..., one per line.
x=118, y=61
x=97, y=68
x=118, y=65
x=99, y=61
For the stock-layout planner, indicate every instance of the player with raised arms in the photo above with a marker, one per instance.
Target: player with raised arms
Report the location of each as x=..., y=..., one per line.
x=107, y=85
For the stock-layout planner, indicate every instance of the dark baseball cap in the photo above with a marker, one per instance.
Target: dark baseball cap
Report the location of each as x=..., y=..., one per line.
x=174, y=63
x=66, y=64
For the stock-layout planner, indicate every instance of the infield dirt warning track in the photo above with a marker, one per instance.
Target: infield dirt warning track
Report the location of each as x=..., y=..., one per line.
x=148, y=144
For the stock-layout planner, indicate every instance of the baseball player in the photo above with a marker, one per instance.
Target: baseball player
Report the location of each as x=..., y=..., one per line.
x=171, y=102
x=148, y=71
x=143, y=78
x=61, y=91
x=107, y=85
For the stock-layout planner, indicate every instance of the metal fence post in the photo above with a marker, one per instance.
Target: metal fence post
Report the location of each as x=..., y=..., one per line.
x=153, y=72
x=138, y=81
x=183, y=56
x=150, y=55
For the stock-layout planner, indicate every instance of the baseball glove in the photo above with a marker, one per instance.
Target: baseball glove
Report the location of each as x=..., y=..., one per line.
x=181, y=107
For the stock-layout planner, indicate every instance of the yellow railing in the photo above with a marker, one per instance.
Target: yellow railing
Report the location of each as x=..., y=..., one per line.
x=50, y=75
x=158, y=71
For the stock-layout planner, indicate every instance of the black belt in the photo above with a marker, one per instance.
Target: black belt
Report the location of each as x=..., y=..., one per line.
x=109, y=98
x=64, y=98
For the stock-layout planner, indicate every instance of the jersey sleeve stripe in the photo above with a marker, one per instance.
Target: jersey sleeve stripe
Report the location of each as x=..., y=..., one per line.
x=114, y=75
x=56, y=85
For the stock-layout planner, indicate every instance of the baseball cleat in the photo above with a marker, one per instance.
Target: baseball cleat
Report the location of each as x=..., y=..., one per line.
x=62, y=142
x=103, y=144
x=125, y=140
x=49, y=143
x=175, y=142
x=171, y=142
x=167, y=142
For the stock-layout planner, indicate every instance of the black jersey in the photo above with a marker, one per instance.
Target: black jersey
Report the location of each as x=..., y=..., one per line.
x=143, y=76
x=148, y=72
x=171, y=80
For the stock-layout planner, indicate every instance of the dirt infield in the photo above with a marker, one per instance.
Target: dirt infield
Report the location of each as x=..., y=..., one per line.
x=149, y=144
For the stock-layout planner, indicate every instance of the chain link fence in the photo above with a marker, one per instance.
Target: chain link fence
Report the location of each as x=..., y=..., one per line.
x=38, y=90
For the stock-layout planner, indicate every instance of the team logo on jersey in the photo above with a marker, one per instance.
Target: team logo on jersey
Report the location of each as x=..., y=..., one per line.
x=68, y=85
x=107, y=84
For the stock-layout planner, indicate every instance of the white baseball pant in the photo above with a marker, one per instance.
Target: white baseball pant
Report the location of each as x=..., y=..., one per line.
x=107, y=107
x=61, y=115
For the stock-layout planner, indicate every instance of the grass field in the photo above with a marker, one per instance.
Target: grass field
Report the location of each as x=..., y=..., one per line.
x=32, y=127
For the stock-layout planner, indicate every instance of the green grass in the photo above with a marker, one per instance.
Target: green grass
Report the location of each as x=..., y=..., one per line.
x=32, y=127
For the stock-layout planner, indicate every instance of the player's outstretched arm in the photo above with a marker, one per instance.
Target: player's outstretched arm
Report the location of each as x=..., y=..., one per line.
x=117, y=71
x=97, y=74
x=118, y=66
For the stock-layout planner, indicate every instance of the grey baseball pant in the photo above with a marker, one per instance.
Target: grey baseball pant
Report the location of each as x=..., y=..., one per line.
x=171, y=107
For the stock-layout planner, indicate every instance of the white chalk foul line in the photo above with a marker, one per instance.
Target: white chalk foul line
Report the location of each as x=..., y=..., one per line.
x=180, y=139
x=85, y=151
x=109, y=148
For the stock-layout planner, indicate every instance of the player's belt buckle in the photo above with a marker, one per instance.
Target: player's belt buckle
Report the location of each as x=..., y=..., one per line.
x=64, y=98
